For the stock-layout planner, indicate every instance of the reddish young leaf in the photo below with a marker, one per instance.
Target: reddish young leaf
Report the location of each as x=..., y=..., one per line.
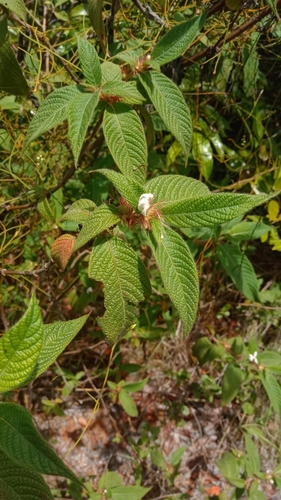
x=61, y=250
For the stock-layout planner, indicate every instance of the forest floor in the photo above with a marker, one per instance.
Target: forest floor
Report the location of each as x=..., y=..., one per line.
x=173, y=413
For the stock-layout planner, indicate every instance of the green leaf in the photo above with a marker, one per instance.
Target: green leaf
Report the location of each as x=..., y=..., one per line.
x=20, y=347
x=127, y=187
x=176, y=456
x=175, y=187
x=179, y=275
x=158, y=229
x=95, y=15
x=79, y=211
x=89, y=60
x=240, y=270
x=253, y=454
x=171, y=106
x=130, y=56
x=52, y=112
x=17, y=482
x=21, y=442
x=101, y=219
x=111, y=72
x=201, y=348
x=128, y=403
x=158, y=459
x=177, y=40
x=272, y=4
x=229, y=467
x=125, y=281
x=250, y=64
x=12, y=80
x=80, y=115
x=231, y=382
x=244, y=231
x=210, y=210
x=126, y=91
x=256, y=494
x=125, y=137
x=15, y=6
x=129, y=492
x=45, y=210
x=203, y=153
x=135, y=386
x=57, y=336
x=270, y=358
x=109, y=480
x=237, y=345
x=273, y=390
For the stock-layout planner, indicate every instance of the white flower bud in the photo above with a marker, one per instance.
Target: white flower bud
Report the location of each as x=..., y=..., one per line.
x=145, y=202
x=253, y=358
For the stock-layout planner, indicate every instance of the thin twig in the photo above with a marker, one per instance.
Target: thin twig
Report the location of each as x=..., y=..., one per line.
x=44, y=40
x=148, y=12
x=235, y=34
x=4, y=318
x=43, y=269
x=115, y=5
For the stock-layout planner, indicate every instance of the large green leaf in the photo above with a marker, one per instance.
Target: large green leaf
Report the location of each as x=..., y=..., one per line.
x=231, y=382
x=21, y=442
x=203, y=153
x=240, y=270
x=127, y=187
x=16, y=6
x=20, y=348
x=111, y=72
x=126, y=91
x=17, y=482
x=169, y=188
x=11, y=77
x=52, y=112
x=125, y=137
x=95, y=15
x=273, y=389
x=126, y=283
x=179, y=275
x=89, y=60
x=80, y=114
x=79, y=211
x=101, y=219
x=177, y=40
x=171, y=106
x=210, y=210
x=57, y=336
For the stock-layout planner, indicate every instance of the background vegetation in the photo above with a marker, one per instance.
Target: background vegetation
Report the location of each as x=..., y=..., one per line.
x=229, y=77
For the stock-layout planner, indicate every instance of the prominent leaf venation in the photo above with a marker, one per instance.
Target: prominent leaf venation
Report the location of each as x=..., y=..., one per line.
x=125, y=280
x=171, y=106
x=125, y=138
x=179, y=275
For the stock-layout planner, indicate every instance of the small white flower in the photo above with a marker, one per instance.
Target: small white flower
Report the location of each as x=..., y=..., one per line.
x=145, y=202
x=253, y=358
